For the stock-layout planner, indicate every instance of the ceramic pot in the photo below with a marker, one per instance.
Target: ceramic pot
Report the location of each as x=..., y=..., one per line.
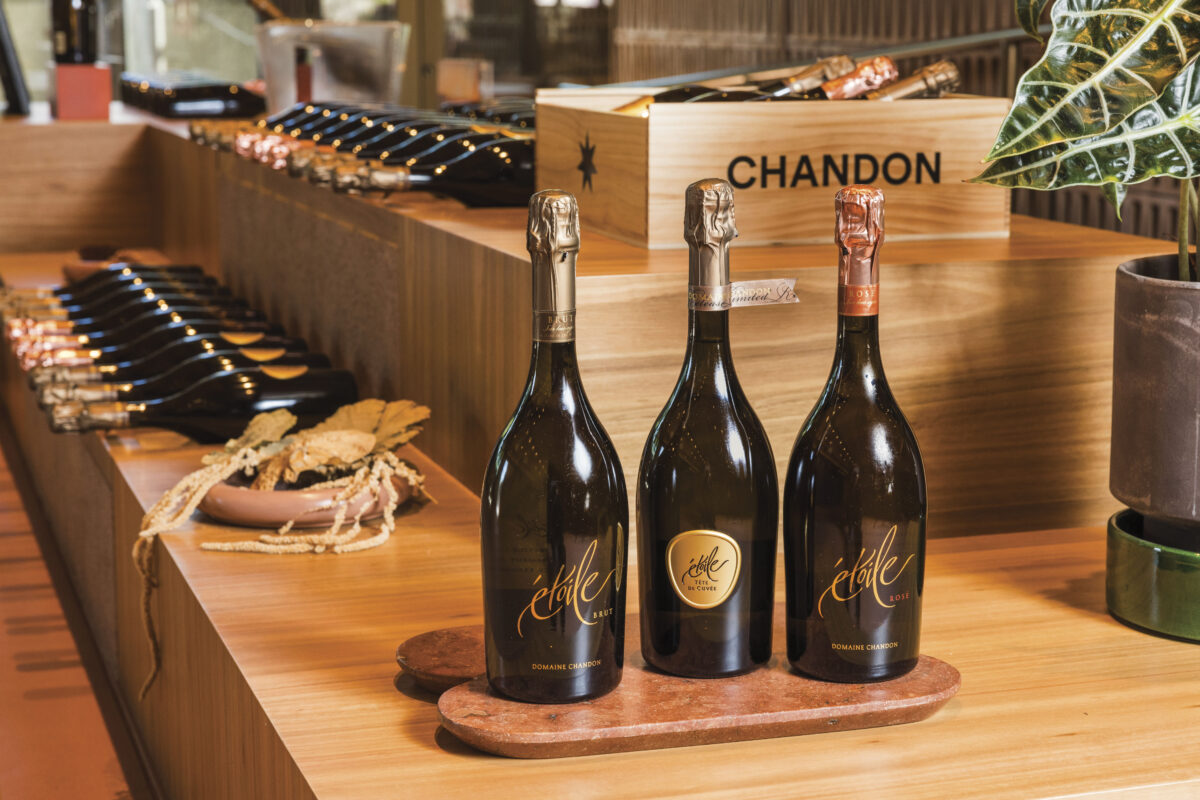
x=1150, y=586
x=240, y=505
x=1155, y=465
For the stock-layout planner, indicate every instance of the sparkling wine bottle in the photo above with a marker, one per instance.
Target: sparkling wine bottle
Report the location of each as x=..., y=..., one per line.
x=80, y=366
x=113, y=274
x=178, y=377
x=125, y=281
x=217, y=408
x=808, y=79
x=555, y=517
x=117, y=345
x=498, y=173
x=854, y=495
x=76, y=27
x=804, y=80
x=707, y=493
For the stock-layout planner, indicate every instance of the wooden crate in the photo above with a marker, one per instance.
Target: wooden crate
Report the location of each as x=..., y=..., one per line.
x=786, y=161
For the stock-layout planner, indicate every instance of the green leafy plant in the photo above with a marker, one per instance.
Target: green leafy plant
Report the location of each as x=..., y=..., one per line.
x=1114, y=101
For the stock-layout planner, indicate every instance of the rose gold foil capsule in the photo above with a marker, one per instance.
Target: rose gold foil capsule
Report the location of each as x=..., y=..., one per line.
x=244, y=141
x=867, y=77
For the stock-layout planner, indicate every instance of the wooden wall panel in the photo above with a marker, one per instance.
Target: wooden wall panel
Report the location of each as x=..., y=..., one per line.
x=206, y=734
x=1011, y=413
x=185, y=192
x=68, y=184
x=414, y=311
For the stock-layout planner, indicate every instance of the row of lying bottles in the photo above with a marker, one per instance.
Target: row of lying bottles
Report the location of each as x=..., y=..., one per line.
x=833, y=78
x=483, y=154
x=555, y=517
x=137, y=344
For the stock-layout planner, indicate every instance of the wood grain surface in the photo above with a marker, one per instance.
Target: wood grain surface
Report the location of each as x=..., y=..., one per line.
x=76, y=183
x=278, y=675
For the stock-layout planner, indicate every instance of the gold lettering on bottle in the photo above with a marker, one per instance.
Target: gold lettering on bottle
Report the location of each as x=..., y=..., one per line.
x=571, y=591
x=872, y=570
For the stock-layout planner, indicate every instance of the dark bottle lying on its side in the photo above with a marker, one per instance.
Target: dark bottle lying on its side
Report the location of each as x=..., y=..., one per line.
x=179, y=377
x=146, y=364
x=113, y=275
x=217, y=408
x=498, y=173
x=707, y=494
x=554, y=518
x=854, y=494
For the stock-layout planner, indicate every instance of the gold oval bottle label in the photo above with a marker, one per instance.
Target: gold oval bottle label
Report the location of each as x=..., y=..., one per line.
x=241, y=338
x=704, y=567
x=262, y=353
x=284, y=373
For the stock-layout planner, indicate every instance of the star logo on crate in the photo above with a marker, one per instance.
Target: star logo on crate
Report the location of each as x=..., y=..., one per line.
x=587, y=161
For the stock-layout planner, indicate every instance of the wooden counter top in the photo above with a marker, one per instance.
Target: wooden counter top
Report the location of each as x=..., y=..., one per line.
x=1057, y=697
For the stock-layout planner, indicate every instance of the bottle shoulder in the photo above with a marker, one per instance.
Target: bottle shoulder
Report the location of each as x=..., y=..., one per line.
x=543, y=444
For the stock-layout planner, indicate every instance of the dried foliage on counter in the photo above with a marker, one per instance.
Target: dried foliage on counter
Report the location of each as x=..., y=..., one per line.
x=352, y=451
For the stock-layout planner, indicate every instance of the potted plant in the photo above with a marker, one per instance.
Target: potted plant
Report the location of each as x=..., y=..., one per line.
x=1114, y=101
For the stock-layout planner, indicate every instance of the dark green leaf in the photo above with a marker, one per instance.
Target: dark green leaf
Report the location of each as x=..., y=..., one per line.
x=1105, y=60
x=1029, y=14
x=1163, y=138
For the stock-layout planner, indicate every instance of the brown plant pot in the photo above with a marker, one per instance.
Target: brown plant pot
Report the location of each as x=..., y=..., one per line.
x=1153, y=573
x=1155, y=466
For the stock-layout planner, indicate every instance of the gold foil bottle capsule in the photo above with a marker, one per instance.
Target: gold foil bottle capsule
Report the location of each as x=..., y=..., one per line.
x=55, y=393
x=933, y=80
x=552, y=239
x=859, y=236
x=323, y=165
x=299, y=159
x=98, y=416
x=708, y=228
x=66, y=417
x=366, y=178
x=88, y=373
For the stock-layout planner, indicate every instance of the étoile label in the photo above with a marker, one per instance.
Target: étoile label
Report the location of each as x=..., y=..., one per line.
x=843, y=169
x=703, y=567
x=870, y=577
x=574, y=590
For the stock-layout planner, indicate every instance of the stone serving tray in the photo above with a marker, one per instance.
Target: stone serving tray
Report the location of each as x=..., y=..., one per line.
x=651, y=710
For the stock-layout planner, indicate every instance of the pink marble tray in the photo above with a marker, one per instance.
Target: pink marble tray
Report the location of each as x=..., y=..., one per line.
x=650, y=710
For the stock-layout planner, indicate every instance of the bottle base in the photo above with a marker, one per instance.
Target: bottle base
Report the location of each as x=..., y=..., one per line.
x=703, y=674
x=871, y=675
x=517, y=694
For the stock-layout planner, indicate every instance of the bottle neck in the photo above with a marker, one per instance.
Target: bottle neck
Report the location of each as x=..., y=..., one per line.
x=553, y=373
x=554, y=297
x=708, y=356
x=857, y=355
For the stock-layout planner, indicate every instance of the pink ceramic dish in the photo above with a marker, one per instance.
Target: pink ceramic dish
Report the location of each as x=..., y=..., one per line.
x=239, y=505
